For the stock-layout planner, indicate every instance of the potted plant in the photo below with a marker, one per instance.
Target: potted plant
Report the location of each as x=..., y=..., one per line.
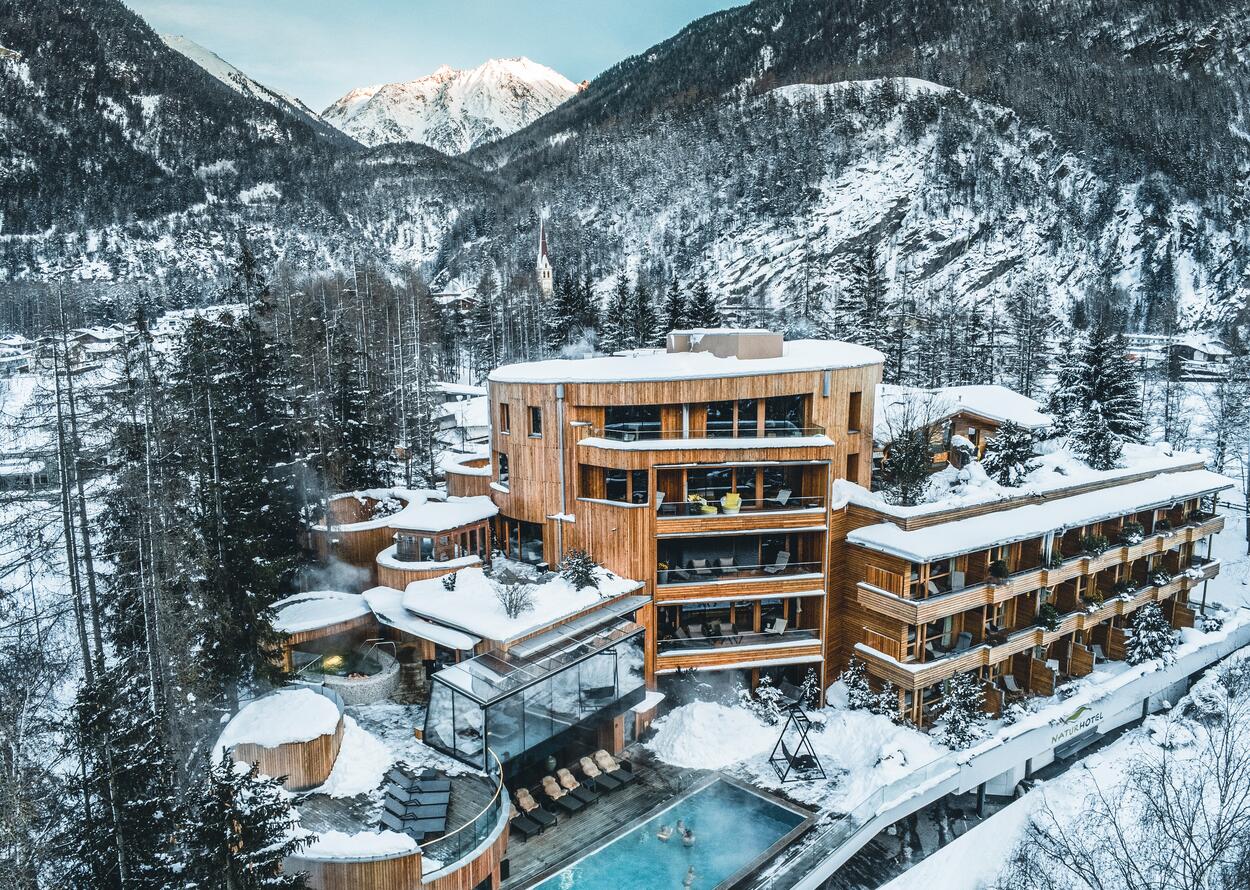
x=1048, y=616
x=1132, y=533
x=1124, y=587
x=1056, y=559
x=1163, y=526
x=1093, y=597
x=1160, y=577
x=998, y=570
x=1094, y=544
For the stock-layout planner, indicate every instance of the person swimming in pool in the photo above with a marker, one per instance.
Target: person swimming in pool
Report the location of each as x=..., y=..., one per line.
x=689, y=881
x=687, y=836
x=665, y=832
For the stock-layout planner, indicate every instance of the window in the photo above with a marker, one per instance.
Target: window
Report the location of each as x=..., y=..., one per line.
x=638, y=486
x=720, y=420
x=616, y=485
x=501, y=462
x=852, y=467
x=536, y=423
x=629, y=423
x=505, y=420
x=783, y=416
x=854, y=412
x=748, y=417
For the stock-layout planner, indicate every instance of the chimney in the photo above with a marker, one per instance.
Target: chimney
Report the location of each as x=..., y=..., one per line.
x=727, y=342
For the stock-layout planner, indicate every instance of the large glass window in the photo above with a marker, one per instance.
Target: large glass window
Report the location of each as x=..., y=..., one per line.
x=783, y=416
x=748, y=417
x=720, y=420
x=616, y=485
x=638, y=486
x=631, y=422
x=501, y=461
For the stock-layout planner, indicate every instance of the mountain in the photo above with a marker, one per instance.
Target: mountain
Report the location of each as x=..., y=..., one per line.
x=452, y=110
x=236, y=79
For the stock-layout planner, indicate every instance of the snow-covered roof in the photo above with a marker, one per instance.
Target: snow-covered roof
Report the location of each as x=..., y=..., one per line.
x=1204, y=343
x=1034, y=520
x=288, y=715
x=469, y=413
x=993, y=402
x=657, y=364
x=387, y=605
x=317, y=608
x=460, y=389
x=473, y=605
x=457, y=463
x=360, y=845
x=424, y=510
x=736, y=444
x=387, y=558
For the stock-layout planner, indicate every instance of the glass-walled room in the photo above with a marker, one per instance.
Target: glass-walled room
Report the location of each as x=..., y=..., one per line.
x=712, y=558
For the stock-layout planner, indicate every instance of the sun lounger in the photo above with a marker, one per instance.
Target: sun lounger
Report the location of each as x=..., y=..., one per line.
x=801, y=762
x=575, y=788
x=1099, y=655
x=1010, y=684
x=530, y=807
x=391, y=822
x=524, y=825
x=783, y=560
x=611, y=767
x=417, y=798
x=400, y=777
x=560, y=797
x=427, y=827
x=962, y=643
x=432, y=786
x=598, y=776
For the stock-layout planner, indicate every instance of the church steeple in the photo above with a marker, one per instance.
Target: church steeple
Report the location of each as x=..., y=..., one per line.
x=545, y=282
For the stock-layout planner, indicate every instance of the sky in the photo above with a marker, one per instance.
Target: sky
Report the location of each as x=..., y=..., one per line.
x=320, y=49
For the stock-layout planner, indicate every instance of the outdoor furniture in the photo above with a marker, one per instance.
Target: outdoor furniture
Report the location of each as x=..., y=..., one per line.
x=802, y=762
x=793, y=694
x=596, y=775
x=1099, y=655
x=560, y=797
x=783, y=560
x=408, y=812
x=530, y=807
x=783, y=497
x=523, y=825
x=426, y=827
x=609, y=765
x=727, y=566
x=731, y=503
x=962, y=643
x=574, y=787
x=700, y=567
x=417, y=798
x=1010, y=684
x=930, y=652
x=776, y=626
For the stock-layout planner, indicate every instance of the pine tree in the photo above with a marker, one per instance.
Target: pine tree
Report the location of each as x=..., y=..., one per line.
x=239, y=831
x=645, y=323
x=676, y=309
x=1108, y=402
x=961, y=712
x=1010, y=455
x=564, y=325
x=885, y=702
x=1152, y=635
x=864, y=304
x=618, y=329
x=1064, y=398
x=704, y=310
x=859, y=695
x=579, y=569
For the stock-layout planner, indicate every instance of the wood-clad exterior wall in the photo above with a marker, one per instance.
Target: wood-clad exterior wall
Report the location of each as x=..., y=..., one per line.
x=467, y=485
x=623, y=536
x=305, y=764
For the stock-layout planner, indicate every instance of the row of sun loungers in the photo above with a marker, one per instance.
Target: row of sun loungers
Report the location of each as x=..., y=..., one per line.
x=416, y=805
x=564, y=792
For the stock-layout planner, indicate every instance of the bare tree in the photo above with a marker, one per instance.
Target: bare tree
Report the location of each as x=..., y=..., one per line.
x=516, y=599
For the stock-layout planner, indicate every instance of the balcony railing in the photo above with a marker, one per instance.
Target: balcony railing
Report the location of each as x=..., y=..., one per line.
x=687, y=509
x=714, y=573
x=728, y=637
x=622, y=432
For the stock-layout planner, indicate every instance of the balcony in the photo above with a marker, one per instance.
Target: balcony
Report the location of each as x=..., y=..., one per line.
x=711, y=571
x=643, y=432
x=691, y=639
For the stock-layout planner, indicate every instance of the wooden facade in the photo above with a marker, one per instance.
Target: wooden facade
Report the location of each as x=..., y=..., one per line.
x=462, y=484
x=304, y=764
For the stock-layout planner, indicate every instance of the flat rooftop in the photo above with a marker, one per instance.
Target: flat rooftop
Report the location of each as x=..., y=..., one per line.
x=658, y=364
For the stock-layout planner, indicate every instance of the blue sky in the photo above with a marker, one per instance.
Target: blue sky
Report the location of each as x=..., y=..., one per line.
x=319, y=49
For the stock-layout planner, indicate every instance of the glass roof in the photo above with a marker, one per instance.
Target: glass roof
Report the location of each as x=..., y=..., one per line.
x=498, y=673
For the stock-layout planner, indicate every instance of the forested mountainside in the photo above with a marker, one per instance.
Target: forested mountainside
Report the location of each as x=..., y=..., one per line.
x=987, y=148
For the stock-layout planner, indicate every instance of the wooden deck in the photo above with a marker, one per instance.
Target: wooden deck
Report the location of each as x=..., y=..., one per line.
x=469, y=795
x=579, y=833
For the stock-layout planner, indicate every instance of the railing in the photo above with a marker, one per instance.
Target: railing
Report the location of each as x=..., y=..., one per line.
x=629, y=433
x=730, y=638
x=748, y=507
x=884, y=644
x=712, y=574
x=890, y=582
x=458, y=844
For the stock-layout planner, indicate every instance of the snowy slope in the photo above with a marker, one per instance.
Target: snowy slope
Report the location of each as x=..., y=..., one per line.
x=452, y=110
x=234, y=78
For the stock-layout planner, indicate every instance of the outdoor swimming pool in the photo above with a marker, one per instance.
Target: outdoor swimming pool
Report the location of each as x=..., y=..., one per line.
x=733, y=827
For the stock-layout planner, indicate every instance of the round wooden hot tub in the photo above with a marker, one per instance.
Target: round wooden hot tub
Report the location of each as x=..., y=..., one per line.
x=294, y=732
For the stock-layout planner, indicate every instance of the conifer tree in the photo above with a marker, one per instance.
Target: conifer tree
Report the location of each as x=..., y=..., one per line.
x=1108, y=403
x=1010, y=455
x=646, y=325
x=1064, y=398
x=239, y=831
x=564, y=314
x=886, y=702
x=676, y=307
x=618, y=328
x=1152, y=636
x=961, y=712
x=859, y=695
x=703, y=308
x=865, y=309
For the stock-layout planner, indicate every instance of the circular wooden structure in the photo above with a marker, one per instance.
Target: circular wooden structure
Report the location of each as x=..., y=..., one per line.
x=304, y=763
x=468, y=475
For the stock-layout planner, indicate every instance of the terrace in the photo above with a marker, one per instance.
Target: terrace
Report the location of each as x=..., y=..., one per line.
x=742, y=559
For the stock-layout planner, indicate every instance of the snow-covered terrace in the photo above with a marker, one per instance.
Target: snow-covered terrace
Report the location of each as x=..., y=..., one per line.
x=990, y=401
x=1035, y=520
x=421, y=510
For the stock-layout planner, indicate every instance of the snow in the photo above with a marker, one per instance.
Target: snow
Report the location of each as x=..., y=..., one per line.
x=997, y=403
x=1034, y=520
x=387, y=558
x=317, y=608
x=710, y=735
x=232, y=76
x=288, y=715
x=657, y=364
x=452, y=110
x=718, y=444
x=423, y=510
x=387, y=605
x=361, y=764
x=340, y=845
x=455, y=462
x=474, y=607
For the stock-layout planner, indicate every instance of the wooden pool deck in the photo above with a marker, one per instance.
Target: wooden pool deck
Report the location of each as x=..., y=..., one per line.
x=579, y=833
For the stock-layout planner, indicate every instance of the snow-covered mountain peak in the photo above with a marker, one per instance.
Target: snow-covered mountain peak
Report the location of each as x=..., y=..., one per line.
x=233, y=77
x=453, y=110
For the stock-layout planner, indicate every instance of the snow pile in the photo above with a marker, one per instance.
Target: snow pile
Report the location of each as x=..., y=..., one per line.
x=340, y=845
x=317, y=608
x=361, y=763
x=473, y=605
x=288, y=715
x=709, y=735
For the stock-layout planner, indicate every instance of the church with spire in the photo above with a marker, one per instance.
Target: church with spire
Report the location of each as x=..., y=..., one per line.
x=545, y=282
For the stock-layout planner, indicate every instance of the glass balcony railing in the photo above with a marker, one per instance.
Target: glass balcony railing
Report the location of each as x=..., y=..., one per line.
x=687, y=640
x=713, y=507
x=706, y=571
x=642, y=432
